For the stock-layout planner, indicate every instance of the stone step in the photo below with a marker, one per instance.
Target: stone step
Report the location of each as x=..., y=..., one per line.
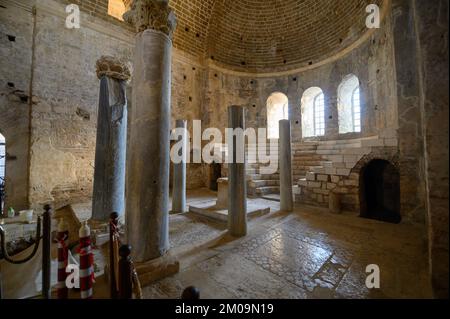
x=264, y=176
x=268, y=190
x=263, y=183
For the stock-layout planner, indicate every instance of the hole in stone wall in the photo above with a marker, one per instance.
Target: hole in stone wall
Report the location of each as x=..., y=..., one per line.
x=11, y=38
x=11, y=85
x=83, y=114
x=243, y=63
x=186, y=29
x=198, y=35
x=380, y=191
x=24, y=98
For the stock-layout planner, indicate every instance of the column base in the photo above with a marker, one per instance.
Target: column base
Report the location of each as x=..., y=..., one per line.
x=157, y=269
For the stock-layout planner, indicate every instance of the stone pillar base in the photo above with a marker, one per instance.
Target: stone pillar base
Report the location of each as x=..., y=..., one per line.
x=157, y=269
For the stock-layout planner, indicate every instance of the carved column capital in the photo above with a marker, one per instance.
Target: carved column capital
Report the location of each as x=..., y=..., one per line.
x=114, y=68
x=152, y=14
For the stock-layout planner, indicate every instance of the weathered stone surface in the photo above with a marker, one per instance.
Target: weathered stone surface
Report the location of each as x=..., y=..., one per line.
x=237, y=186
x=285, y=162
x=114, y=68
x=149, y=159
x=152, y=14
x=179, y=172
x=110, y=156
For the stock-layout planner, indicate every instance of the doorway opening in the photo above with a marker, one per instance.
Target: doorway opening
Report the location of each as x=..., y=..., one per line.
x=380, y=191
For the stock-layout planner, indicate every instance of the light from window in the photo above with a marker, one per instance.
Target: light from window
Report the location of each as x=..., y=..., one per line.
x=116, y=9
x=356, y=110
x=349, y=105
x=319, y=115
x=277, y=109
x=313, y=112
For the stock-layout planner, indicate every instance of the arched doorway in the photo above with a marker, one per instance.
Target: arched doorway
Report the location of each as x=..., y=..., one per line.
x=277, y=109
x=2, y=171
x=380, y=191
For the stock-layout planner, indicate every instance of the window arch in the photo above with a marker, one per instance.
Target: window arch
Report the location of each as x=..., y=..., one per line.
x=116, y=8
x=313, y=112
x=277, y=109
x=349, y=105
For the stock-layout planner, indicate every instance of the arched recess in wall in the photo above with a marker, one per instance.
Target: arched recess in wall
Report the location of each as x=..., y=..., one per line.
x=277, y=109
x=116, y=9
x=2, y=170
x=313, y=112
x=349, y=105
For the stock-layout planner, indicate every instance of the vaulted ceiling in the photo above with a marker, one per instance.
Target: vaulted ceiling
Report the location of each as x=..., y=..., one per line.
x=261, y=35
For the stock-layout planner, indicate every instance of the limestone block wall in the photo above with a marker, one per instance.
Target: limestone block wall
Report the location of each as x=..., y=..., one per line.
x=16, y=33
x=60, y=65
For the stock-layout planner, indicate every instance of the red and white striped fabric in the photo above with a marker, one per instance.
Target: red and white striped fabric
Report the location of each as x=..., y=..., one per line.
x=86, y=263
x=63, y=255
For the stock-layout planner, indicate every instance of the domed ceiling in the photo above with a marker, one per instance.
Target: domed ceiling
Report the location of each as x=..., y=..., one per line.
x=268, y=35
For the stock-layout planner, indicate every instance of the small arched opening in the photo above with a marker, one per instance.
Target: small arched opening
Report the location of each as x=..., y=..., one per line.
x=380, y=191
x=349, y=105
x=313, y=112
x=277, y=109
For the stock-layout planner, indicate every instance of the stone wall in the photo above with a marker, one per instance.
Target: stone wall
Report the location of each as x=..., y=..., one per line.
x=432, y=34
x=16, y=34
x=65, y=99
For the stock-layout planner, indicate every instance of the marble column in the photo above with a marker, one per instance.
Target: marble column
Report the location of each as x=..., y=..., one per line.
x=179, y=173
x=285, y=160
x=110, y=152
x=147, y=199
x=237, y=185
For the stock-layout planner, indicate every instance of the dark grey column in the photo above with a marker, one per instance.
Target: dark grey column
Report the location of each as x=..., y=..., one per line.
x=147, y=218
x=237, y=186
x=285, y=160
x=179, y=174
x=110, y=152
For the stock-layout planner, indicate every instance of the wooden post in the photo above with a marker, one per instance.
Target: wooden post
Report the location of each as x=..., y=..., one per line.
x=46, y=258
x=125, y=273
x=113, y=258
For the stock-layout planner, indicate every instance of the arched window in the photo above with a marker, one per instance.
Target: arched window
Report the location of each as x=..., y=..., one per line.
x=313, y=112
x=2, y=170
x=277, y=109
x=349, y=105
x=116, y=9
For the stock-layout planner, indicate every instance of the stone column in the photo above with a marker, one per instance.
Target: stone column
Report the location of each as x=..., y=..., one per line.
x=110, y=152
x=285, y=160
x=147, y=218
x=237, y=185
x=179, y=174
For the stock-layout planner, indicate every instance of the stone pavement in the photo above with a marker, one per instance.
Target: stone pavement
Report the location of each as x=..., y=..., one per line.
x=306, y=254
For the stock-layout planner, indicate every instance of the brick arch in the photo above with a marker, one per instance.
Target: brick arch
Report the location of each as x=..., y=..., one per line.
x=389, y=156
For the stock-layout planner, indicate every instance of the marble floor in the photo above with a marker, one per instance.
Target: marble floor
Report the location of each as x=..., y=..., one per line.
x=309, y=253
